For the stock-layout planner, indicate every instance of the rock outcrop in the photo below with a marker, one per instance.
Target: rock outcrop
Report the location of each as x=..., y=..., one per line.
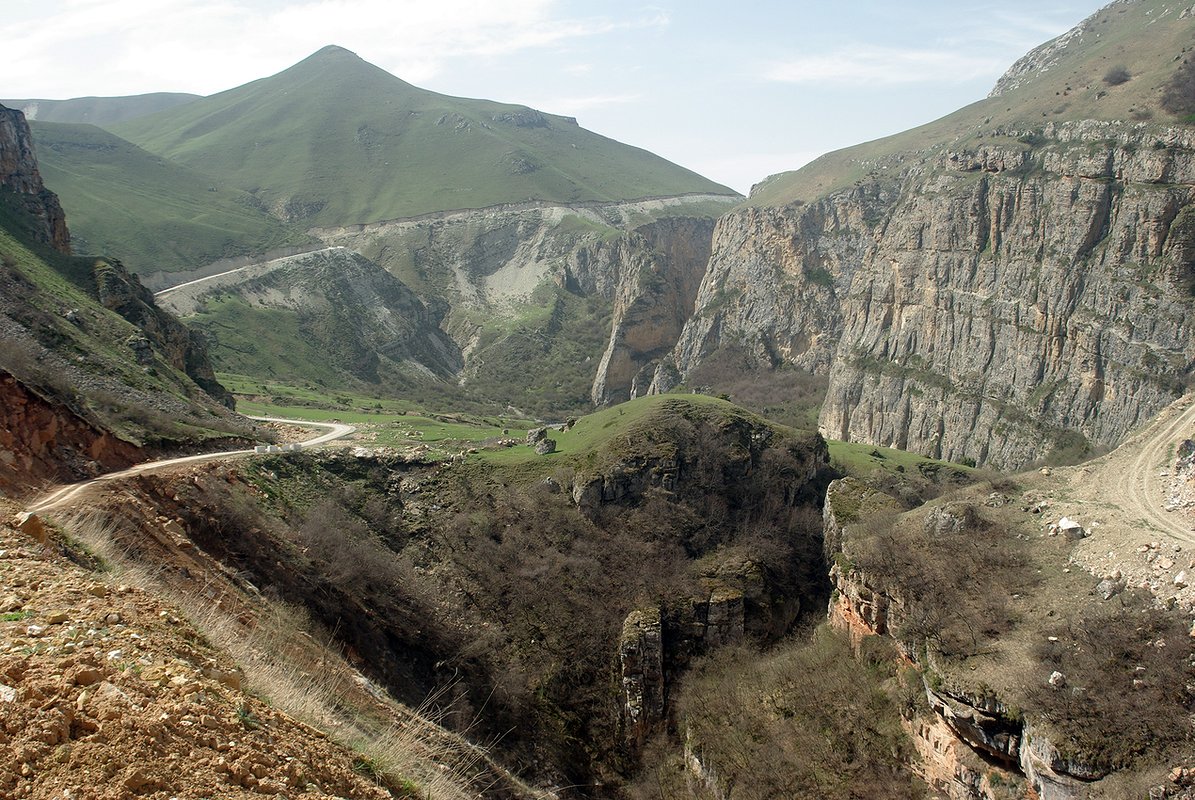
x=992, y=303
x=21, y=187
x=641, y=660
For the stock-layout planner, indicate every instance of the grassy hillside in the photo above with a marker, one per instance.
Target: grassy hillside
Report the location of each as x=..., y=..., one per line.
x=1115, y=65
x=153, y=214
x=99, y=110
x=60, y=340
x=336, y=140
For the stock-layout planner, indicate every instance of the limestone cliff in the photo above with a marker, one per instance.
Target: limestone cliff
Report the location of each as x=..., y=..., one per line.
x=656, y=269
x=992, y=302
x=21, y=189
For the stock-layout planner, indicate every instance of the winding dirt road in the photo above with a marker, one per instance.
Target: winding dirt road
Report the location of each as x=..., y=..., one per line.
x=1142, y=487
x=1130, y=483
x=65, y=494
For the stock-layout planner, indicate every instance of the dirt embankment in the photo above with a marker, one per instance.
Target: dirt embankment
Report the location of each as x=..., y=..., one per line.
x=107, y=692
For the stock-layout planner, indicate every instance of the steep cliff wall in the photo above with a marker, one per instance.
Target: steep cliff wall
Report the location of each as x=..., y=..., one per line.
x=37, y=208
x=652, y=275
x=987, y=303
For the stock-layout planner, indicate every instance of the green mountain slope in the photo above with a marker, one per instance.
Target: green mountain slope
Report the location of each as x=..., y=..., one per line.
x=1115, y=65
x=99, y=110
x=157, y=215
x=335, y=140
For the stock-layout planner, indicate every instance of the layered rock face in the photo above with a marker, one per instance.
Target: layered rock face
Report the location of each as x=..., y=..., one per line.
x=984, y=305
x=20, y=178
x=655, y=273
x=119, y=290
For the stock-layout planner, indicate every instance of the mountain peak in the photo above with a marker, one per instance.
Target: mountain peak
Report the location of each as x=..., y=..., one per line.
x=333, y=50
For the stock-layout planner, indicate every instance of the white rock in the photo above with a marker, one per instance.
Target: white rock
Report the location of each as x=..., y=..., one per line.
x=7, y=694
x=1057, y=679
x=1180, y=580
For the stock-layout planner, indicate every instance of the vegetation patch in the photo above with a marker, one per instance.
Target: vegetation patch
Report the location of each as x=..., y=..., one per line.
x=806, y=719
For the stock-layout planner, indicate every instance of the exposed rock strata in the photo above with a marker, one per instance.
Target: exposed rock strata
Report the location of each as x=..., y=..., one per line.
x=658, y=269
x=644, y=258
x=989, y=304
x=359, y=314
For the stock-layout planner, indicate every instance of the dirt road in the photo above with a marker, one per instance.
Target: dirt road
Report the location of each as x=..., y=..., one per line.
x=62, y=495
x=1134, y=476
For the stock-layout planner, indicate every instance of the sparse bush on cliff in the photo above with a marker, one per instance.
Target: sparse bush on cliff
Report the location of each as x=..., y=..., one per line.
x=1178, y=95
x=1117, y=75
x=1126, y=686
x=954, y=582
x=806, y=720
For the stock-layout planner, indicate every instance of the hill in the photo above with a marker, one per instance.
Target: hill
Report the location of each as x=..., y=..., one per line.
x=336, y=140
x=1113, y=66
x=99, y=110
x=157, y=215
x=92, y=372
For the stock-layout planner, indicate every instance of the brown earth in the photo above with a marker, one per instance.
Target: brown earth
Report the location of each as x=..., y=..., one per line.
x=107, y=692
x=1120, y=500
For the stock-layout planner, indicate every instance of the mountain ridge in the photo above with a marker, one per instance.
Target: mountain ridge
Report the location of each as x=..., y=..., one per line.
x=336, y=140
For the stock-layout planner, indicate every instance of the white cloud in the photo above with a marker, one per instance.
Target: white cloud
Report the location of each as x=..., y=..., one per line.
x=65, y=48
x=883, y=66
x=574, y=105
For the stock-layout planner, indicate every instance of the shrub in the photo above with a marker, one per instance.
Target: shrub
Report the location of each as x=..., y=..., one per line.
x=1128, y=684
x=1117, y=75
x=807, y=720
x=1178, y=95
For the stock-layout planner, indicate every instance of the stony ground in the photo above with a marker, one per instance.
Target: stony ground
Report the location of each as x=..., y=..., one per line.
x=105, y=692
x=1136, y=534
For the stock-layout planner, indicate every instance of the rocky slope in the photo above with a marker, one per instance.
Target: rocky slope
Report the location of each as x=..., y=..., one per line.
x=358, y=317
x=42, y=440
x=995, y=707
x=979, y=291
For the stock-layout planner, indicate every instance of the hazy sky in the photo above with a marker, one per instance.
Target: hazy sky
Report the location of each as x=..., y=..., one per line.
x=733, y=90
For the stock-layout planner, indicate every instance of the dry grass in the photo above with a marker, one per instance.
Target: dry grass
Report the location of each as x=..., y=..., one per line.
x=289, y=664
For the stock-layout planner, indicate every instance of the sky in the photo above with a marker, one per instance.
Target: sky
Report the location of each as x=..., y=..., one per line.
x=736, y=91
